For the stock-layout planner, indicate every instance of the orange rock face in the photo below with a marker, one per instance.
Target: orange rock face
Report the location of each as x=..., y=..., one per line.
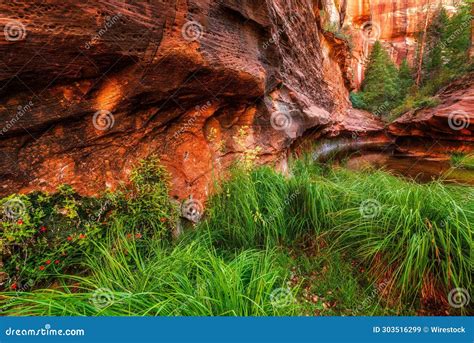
x=451, y=120
x=88, y=89
x=394, y=23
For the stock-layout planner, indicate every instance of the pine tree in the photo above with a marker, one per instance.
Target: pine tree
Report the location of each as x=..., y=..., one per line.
x=435, y=36
x=381, y=83
x=405, y=77
x=457, y=39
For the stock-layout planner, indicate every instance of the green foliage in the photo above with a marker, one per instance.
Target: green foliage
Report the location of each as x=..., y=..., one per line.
x=460, y=160
x=48, y=235
x=260, y=225
x=405, y=76
x=357, y=100
x=53, y=233
x=145, y=207
x=445, y=58
x=381, y=84
x=381, y=88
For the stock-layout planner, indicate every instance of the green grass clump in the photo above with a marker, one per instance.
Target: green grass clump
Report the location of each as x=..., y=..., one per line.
x=314, y=242
x=187, y=279
x=462, y=161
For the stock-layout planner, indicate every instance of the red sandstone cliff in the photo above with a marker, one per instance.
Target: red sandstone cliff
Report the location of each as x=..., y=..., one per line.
x=395, y=23
x=89, y=89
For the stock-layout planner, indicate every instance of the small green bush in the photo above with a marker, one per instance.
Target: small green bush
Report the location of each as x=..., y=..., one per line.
x=42, y=235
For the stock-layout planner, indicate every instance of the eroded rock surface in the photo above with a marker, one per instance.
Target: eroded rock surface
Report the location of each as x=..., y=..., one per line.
x=395, y=23
x=88, y=89
x=452, y=119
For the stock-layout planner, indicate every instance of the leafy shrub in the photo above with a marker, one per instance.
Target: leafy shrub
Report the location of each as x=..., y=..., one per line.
x=145, y=206
x=357, y=100
x=49, y=234
x=54, y=232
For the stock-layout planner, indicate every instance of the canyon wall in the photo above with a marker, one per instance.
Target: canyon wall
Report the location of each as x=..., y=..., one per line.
x=395, y=24
x=87, y=90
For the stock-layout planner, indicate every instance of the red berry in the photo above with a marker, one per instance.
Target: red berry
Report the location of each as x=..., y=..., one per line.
x=56, y=262
x=69, y=238
x=20, y=222
x=82, y=236
x=138, y=235
x=41, y=268
x=48, y=262
x=43, y=229
x=13, y=286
